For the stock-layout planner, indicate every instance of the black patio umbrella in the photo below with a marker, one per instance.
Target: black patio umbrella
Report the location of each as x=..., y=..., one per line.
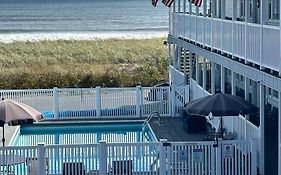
x=220, y=105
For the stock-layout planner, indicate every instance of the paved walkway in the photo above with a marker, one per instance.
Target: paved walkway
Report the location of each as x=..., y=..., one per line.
x=9, y=133
x=174, y=129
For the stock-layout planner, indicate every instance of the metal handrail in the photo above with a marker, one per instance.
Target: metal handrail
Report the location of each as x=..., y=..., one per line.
x=150, y=117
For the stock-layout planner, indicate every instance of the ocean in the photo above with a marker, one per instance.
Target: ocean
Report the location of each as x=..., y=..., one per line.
x=82, y=17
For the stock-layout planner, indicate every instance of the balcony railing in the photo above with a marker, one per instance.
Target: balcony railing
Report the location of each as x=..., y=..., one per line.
x=259, y=44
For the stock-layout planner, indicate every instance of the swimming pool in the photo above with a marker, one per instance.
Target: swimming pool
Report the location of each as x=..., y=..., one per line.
x=83, y=133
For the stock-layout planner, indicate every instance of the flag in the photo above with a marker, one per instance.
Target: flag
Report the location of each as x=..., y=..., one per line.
x=154, y=2
x=167, y=3
x=198, y=3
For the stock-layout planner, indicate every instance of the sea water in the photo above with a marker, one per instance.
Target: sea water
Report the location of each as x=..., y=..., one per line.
x=82, y=17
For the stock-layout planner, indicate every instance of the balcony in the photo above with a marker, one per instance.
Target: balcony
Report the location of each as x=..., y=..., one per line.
x=254, y=43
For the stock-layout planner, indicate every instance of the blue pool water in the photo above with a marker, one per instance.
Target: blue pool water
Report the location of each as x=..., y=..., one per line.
x=83, y=133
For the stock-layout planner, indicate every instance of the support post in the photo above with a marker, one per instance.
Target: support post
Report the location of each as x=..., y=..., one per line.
x=138, y=101
x=162, y=157
x=56, y=102
x=173, y=100
x=261, y=128
x=219, y=158
x=233, y=83
x=197, y=69
x=213, y=78
x=222, y=79
x=279, y=133
x=102, y=157
x=254, y=157
x=204, y=76
x=98, y=101
x=41, y=159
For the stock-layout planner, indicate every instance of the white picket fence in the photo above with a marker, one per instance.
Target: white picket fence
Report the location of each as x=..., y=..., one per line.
x=231, y=157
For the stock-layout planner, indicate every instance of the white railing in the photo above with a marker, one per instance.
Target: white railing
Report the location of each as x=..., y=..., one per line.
x=244, y=129
x=252, y=42
x=94, y=102
x=158, y=158
x=197, y=91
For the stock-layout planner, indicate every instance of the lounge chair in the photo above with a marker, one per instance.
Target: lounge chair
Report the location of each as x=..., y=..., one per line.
x=122, y=167
x=73, y=168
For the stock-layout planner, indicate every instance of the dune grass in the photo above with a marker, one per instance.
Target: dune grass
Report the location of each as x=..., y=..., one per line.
x=64, y=63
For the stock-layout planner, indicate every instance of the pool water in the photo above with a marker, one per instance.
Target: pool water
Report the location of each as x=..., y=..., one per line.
x=83, y=133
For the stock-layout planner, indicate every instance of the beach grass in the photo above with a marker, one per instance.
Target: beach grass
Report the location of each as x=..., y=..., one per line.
x=82, y=63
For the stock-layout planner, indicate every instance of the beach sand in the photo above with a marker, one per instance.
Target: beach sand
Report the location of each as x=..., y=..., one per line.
x=33, y=37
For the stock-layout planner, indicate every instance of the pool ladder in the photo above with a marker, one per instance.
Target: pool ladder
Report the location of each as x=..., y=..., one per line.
x=154, y=113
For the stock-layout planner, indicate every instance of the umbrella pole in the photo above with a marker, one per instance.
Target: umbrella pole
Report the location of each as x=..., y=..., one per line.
x=221, y=129
x=3, y=136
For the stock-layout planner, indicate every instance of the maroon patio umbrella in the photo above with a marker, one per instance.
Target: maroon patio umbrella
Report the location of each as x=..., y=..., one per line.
x=16, y=113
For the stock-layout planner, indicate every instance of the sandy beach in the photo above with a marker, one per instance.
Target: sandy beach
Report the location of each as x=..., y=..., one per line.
x=33, y=37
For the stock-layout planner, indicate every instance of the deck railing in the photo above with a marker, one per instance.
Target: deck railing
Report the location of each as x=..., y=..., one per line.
x=252, y=42
x=157, y=158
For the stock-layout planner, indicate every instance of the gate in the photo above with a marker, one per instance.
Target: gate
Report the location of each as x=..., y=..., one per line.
x=229, y=157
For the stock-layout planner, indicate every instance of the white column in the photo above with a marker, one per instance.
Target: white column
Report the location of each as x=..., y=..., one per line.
x=41, y=159
x=212, y=21
x=190, y=66
x=213, y=79
x=254, y=143
x=261, y=128
x=204, y=74
x=162, y=157
x=204, y=14
x=98, y=101
x=138, y=101
x=234, y=16
x=246, y=87
x=222, y=14
x=233, y=80
x=173, y=100
x=219, y=158
x=197, y=68
x=56, y=102
x=222, y=79
x=279, y=133
x=263, y=20
x=102, y=157
x=184, y=61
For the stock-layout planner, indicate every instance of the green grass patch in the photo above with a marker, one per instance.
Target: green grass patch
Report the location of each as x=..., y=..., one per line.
x=63, y=63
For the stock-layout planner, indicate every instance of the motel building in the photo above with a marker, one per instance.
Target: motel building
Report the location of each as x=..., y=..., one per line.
x=233, y=46
x=228, y=46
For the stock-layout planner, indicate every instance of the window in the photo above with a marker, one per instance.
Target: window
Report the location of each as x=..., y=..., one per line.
x=273, y=9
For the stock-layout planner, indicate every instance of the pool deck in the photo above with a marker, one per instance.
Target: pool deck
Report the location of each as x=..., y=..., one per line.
x=10, y=131
x=174, y=129
x=171, y=128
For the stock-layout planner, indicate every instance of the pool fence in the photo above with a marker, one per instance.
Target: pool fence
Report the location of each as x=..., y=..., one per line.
x=229, y=157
